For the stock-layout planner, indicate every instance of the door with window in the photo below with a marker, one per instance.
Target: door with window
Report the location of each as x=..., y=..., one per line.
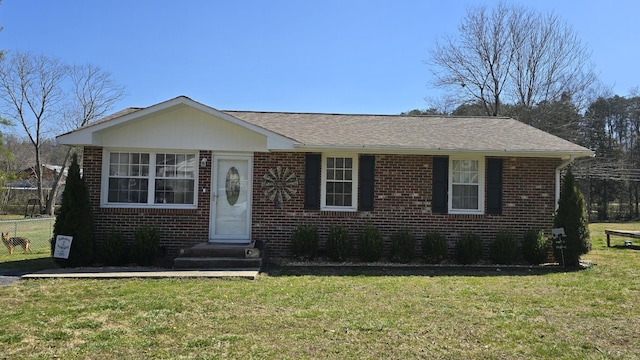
x=231, y=199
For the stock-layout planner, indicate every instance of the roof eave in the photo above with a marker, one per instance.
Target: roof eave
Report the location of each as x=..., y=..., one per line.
x=564, y=154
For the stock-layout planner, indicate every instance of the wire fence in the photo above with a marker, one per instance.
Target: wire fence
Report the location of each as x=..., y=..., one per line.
x=37, y=230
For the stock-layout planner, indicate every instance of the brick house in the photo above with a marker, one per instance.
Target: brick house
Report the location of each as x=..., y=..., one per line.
x=203, y=175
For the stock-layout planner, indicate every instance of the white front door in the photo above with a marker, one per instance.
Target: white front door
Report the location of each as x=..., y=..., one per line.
x=231, y=199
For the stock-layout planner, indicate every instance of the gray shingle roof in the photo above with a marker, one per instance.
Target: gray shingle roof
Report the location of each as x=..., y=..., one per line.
x=369, y=133
x=399, y=132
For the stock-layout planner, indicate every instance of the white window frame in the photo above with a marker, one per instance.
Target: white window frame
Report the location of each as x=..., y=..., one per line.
x=481, y=184
x=104, y=195
x=354, y=183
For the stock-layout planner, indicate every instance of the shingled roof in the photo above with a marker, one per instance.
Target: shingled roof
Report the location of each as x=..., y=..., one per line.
x=411, y=133
x=368, y=133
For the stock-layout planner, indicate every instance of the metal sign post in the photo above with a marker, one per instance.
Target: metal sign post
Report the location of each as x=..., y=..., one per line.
x=558, y=239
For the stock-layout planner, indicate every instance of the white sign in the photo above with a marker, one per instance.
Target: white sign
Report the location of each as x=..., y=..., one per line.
x=63, y=245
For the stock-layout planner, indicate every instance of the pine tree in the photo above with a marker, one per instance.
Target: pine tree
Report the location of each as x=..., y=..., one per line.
x=75, y=219
x=572, y=216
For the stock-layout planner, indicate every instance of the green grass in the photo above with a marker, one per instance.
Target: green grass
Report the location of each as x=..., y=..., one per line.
x=588, y=314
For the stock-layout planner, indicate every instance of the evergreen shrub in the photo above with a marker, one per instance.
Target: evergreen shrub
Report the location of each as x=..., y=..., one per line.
x=572, y=216
x=469, y=248
x=535, y=247
x=75, y=219
x=403, y=245
x=505, y=249
x=113, y=251
x=339, y=243
x=304, y=242
x=370, y=244
x=434, y=247
x=146, y=245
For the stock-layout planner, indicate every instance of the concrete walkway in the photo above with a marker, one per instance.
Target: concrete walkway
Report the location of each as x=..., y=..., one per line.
x=117, y=273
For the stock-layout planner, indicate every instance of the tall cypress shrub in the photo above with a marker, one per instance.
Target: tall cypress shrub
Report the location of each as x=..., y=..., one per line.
x=75, y=219
x=572, y=216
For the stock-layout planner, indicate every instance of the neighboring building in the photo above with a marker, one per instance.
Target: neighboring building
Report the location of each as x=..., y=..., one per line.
x=204, y=175
x=27, y=179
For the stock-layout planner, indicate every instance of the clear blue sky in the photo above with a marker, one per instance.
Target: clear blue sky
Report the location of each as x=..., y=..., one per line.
x=340, y=56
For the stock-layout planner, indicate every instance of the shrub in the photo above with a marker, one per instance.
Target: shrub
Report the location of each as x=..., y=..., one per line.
x=304, y=242
x=403, y=245
x=434, y=247
x=535, y=247
x=146, y=244
x=469, y=248
x=75, y=218
x=113, y=251
x=370, y=244
x=504, y=249
x=572, y=216
x=339, y=243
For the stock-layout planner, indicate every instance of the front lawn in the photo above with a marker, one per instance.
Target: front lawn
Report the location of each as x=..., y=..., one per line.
x=591, y=314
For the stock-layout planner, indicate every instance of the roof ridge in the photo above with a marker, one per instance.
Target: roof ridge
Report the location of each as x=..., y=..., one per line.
x=345, y=114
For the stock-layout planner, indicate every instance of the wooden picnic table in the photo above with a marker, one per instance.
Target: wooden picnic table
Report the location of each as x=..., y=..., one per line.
x=624, y=233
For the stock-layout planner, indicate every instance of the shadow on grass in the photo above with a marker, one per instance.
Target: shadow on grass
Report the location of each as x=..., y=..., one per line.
x=412, y=270
x=26, y=265
x=626, y=247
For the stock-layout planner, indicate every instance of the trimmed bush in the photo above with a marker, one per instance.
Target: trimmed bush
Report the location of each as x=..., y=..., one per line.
x=113, y=251
x=339, y=243
x=370, y=244
x=504, y=249
x=403, y=245
x=535, y=247
x=146, y=244
x=304, y=242
x=469, y=248
x=75, y=219
x=572, y=216
x=434, y=247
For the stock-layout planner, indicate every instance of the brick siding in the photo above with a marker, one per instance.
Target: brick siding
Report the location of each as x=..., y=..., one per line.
x=402, y=200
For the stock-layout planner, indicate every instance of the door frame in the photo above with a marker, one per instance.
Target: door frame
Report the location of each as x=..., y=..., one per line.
x=213, y=198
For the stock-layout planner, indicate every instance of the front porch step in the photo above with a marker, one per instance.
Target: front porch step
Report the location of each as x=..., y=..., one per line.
x=207, y=262
x=219, y=256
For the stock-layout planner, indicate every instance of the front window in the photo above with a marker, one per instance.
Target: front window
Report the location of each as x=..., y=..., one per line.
x=339, y=182
x=466, y=186
x=142, y=178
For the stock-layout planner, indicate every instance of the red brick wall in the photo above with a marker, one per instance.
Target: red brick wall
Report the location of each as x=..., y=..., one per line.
x=180, y=228
x=402, y=200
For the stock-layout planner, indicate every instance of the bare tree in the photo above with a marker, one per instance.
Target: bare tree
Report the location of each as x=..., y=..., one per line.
x=44, y=97
x=510, y=54
x=94, y=94
x=31, y=94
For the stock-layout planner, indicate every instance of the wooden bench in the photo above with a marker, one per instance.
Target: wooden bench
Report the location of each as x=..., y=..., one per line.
x=623, y=233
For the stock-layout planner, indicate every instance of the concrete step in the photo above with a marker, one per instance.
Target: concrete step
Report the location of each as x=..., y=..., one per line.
x=219, y=256
x=216, y=262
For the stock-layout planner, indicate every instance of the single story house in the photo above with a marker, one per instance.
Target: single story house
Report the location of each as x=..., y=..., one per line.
x=205, y=175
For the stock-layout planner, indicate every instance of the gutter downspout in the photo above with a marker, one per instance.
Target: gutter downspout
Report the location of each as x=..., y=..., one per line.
x=562, y=165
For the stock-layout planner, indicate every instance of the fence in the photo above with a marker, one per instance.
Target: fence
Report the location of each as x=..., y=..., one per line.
x=38, y=230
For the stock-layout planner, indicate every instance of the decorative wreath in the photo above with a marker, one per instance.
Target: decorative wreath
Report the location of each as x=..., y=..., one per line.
x=279, y=184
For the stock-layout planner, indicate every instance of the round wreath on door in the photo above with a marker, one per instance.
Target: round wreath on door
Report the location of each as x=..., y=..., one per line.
x=279, y=184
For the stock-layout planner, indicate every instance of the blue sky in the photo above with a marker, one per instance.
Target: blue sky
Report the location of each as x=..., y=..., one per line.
x=336, y=56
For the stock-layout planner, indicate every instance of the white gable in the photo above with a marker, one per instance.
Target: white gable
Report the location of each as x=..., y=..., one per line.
x=180, y=123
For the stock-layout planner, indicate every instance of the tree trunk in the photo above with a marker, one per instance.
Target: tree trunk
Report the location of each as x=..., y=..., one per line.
x=50, y=207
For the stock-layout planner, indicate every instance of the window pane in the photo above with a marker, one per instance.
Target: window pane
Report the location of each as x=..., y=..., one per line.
x=464, y=197
x=339, y=181
x=174, y=191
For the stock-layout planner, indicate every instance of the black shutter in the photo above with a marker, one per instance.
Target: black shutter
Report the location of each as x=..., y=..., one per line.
x=366, y=182
x=494, y=186
x=440, y=186
x=313, y=163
